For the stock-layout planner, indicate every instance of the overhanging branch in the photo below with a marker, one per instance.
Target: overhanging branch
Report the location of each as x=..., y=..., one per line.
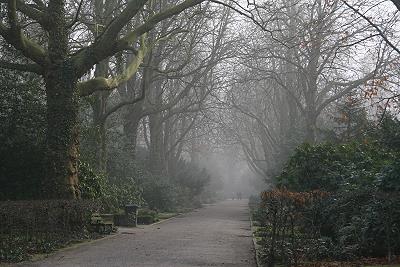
x=153, y=21
x=30, y=11
x=105, y=84
x=107, y=46
x=29, y=48
x=380, y=32
x=35, y=68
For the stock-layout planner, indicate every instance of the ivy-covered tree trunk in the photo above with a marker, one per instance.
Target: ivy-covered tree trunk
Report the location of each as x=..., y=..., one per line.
x=61, y=71
x=62, y=110
x=62, y=134
x=101, y=145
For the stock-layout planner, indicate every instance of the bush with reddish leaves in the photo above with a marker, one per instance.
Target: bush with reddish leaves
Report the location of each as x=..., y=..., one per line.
x=293, y=226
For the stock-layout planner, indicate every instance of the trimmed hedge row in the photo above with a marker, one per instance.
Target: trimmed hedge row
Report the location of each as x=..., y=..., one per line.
x=46, y=216
x=41, y=226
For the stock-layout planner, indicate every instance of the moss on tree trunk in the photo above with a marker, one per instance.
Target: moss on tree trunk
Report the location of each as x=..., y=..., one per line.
x=62, y=133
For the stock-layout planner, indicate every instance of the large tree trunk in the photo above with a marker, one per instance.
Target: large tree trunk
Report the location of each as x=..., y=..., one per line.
x=312, y=84
x=156, y=127
x=133, y=113
x=131, y=127
x=99, y=107
x=99, y=104
x=62, y=134
x=311, y=128
x=156, y=153
x=101, y=145
x=62, y=110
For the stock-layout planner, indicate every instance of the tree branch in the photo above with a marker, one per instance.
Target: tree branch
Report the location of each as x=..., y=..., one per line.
x=76, y=15
x=374, y=25
x=154, y=20
x=396, y=3
x=105, y=84
x=35, y=68
x=107, y=46
x=104, y=46
x=129, y=102
x=29, y=48
x=350, y=86
x=29, y=11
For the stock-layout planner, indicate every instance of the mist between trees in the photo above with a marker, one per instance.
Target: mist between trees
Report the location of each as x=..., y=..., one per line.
x=107, y=96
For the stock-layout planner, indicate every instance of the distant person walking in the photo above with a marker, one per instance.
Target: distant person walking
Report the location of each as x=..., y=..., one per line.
x=239, y=195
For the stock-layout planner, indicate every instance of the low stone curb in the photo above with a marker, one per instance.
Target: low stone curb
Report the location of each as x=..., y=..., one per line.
x=165, y=220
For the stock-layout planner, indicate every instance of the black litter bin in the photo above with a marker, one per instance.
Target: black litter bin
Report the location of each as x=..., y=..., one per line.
x=131, y=211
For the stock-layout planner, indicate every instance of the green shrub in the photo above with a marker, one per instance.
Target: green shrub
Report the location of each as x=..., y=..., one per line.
x=291, y=223
x=28, y=227
x=332, y=167
x=21, y=171
x=147, y=216
x=91, y=184
x=114, y=194
x=123, y=193
x=46, y=215
x=145, y=219
x=361, y=217
x=22, y=135
x=147, y=212
x=159, y=193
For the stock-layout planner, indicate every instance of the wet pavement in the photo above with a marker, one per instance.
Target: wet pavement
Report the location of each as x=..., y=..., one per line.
x=216, y=235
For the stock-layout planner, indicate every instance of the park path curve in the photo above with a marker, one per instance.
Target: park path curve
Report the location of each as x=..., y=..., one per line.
x=215, y=235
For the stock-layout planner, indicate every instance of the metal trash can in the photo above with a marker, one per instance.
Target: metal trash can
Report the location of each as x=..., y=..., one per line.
x=131, y=211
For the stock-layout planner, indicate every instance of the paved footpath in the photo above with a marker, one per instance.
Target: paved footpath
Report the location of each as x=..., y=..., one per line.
x=216, y=235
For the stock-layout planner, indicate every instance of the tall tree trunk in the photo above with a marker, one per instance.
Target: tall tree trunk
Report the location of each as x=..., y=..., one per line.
x=133, y=113
x=99, y=107
x=194, y=151
x=131, y=127
x=312, y=79
x=62, y=110
x=100, y=98
x=311, y=127
x=101, y=146
x=156, y=153
x=62, y=134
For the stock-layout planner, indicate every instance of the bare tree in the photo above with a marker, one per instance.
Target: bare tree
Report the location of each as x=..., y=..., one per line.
x=181, y=88
x=319, y=56
x=62, y=69
x=312, y=61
